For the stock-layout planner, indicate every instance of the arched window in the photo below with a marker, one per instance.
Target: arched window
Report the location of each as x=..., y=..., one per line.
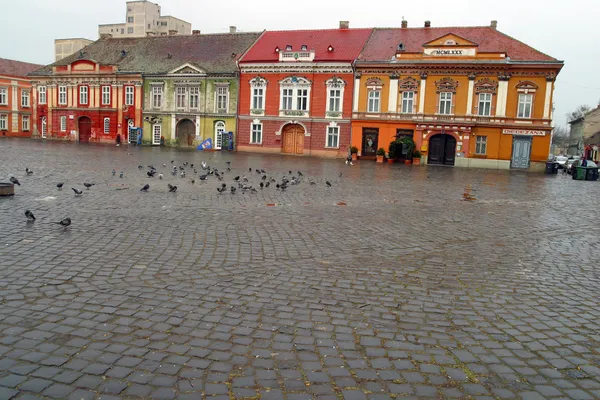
x=106, y=125
x=219, y=131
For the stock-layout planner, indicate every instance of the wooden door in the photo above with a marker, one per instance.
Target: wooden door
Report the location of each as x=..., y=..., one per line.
x=369, y=142
x=442, y=150
x=293, y=139
x=449, y=150
x=186, y=132
x=521, y=152
x=85, y=129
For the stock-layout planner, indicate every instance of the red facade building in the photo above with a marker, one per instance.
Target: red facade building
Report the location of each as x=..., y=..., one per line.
x=296, y=91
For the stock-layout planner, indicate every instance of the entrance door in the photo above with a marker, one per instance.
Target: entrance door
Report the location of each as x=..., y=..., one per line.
x=520, y=152
x=156, y=134
x=85, y=129
x=293, y=139
x=369, y=142
x=186, y=132
x=219, y=130
x=442, y=150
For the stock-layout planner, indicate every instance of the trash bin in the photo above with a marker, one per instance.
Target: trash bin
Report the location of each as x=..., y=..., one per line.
x=591, y=174
x=551, y=168
x=579, y=173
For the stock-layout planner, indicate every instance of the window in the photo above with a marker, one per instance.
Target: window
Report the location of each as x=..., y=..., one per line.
x=130, y=20
x=105, y=95
x=258, y=98
x=148, y=26
x=3, y=123
x=83, y=95
x=25, y=98
x=481, y=145
x=42, y=95
x=256, y=134
x=180, y=97
x=129, y=30
x=157, y=92
x=128, y=95
x=3, y=96
x=446, y=103
x=302, y=100
x=525, y=102
x=373, y=104
x=62, y=95
x=485, y=104
x=194, y=97
x=219, y=131
x=335, y=100
x=286, y=99
x=44, y=127
x=156, y=134
x=63, y=123
x=222, y=94
x=408, y=102
x=106, y=125
x=333, y=136
x=25, y=122
x=123, y=30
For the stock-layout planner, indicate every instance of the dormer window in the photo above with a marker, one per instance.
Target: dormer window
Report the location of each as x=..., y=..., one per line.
x=277, y=49
x=400, y=47
x=288, y=47
x=330, y=48
x=304, y=47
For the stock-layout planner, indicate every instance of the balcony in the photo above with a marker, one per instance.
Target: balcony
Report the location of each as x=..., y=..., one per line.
x=456, y=119
x=293, y=113
x=298, y=56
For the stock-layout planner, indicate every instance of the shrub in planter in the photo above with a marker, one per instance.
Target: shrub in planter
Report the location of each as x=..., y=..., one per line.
x=354, y=152
x=417, y=157
x=380, y=154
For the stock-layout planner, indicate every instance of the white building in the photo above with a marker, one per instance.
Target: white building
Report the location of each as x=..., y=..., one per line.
x=65, y=47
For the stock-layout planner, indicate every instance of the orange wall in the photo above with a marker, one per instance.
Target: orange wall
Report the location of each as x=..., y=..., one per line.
x=538, y=97
x=499, y=146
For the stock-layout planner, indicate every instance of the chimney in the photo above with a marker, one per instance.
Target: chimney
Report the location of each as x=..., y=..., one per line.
x=172, y=32
x=232, y=29
x=494, y=24
x=404, y=23
x=344, y=24
x=195, y=32
x=427, y=24
x=105, y=36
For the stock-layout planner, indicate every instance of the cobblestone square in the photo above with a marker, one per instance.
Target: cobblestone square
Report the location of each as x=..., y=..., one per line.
x=387, y=284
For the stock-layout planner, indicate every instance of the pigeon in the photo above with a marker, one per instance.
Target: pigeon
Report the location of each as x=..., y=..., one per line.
x=121, y=174
x=312, y=183
x=185, y=163
x=28, y=171
x=59, y=185
x=340, y=175
x=204, y=165
x=262, y=171
x=29, y=215
x=77, y=192
x=150, y=174
x=15, y=181
x=328, y=183
x=268, y=184
x=290, y=172
x=263, y=178
x=300, y=173
x=172, y=161
x=114, y=172
x=228, y=162
x=237, y=178
x=262, y=185
x=192, y=165
x=244, y=179
x=249, y=169
x=164, y=165
x=258, y=171
x=183, y=174
x=232, y=190
x=221, y=189
x=228, y=169
x=64, y=223
x=160, y=176
x=173, y=189
x=140, y=167
x=193, y=181
x=203, y=177
x=145, y=188
x=88, y=185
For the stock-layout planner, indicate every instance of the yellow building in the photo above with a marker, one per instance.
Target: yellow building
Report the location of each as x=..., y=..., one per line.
x=468, y=96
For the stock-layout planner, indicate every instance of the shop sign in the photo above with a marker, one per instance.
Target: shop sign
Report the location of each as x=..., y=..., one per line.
x=523, y=132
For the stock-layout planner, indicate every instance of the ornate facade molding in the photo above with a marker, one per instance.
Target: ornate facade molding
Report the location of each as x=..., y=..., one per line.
x=526, y=85
x=446, y=85
x=486, y=85
x=258, y=82
x=408, y=84
x=297, y=69
x=335, y=83
x=295, y=81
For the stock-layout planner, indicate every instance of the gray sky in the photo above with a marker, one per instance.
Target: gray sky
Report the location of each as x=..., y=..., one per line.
x=564, y=30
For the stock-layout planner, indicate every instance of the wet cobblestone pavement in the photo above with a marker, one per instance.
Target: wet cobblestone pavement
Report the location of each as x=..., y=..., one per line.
x=384, y=285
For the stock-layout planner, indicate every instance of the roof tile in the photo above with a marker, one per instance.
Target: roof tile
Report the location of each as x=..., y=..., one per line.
x=16, y=68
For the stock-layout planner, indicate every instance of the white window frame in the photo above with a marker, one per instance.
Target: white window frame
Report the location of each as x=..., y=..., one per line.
x=3, y=96
x=374, y=101
x=3, y=122
x=484, y=104
x=24, y=97
x=299, y=89
x=287, y=99
x=25, y=123
x=445, y=103
x=156, y=129
x=335, y=96
x=222, y=97
x=258, y=131
x=129, y=95
x=106, y=95
x=219, y=127
x=332, y=131
x=180, y=97
x=83, y=94
x=481, y=145
x=62, y=95
x=408, y=102
x=194, y=98
x=44, y=124
x=258, y=98
x=524, y=100
x=106, y=125
x=157, y=97
x=42, y=98
x=63, y=123
x=258, y=93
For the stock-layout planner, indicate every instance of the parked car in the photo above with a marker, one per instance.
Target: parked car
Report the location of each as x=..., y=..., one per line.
x=569, y=165
x=561, y=160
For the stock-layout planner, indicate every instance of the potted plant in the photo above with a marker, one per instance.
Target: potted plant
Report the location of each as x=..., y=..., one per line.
x=354, y=152
x=417, y=157
x=380, y=155
x=408, y=146
x=393, y=154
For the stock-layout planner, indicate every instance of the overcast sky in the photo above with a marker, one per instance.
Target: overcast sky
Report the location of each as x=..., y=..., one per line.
x=565, y=30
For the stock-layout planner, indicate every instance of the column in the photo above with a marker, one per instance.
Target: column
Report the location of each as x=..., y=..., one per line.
x=470, y=94
x=548, y=97
x=502, y=95
x=393, y=95
x=198, y=128
x=173, y=123
x=96, y=95
x=356, y=92
x=71, y=95
x=422, y=88
x=16, y=104
x=138, y=104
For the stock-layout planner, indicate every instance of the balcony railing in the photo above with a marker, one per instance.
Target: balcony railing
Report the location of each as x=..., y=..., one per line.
x=455, y=119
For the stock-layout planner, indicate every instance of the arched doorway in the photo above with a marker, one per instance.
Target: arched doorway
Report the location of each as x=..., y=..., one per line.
x=292, y=139
x=219, y=131
x=85, y=129
x=442, y=150
x=186, y=132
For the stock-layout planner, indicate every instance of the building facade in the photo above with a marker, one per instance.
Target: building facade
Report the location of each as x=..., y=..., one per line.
x=192, y=96
x=65, y=47
x=16, y=116
x=296, y=92
x=143, y=18
x=584, y=136
x=469, y=97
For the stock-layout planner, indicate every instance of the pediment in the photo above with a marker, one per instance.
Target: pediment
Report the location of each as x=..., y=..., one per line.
x=450, y=40
x=83, y=65
x=188, y=68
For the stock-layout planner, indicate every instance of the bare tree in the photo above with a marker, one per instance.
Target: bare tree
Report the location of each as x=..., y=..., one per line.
x=560, y=137
x=579, y=112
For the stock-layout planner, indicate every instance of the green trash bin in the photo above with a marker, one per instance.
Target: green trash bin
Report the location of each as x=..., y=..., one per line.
x=580, y=173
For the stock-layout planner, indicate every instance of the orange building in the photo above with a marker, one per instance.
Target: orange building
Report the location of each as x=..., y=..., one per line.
x=15, y=98
x=468, y=96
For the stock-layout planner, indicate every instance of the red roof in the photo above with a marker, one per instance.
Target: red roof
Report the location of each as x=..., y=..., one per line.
x=346, y=43
x=16, y=68
x=384, y=41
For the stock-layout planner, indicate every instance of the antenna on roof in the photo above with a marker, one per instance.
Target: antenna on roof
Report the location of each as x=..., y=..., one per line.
x=81, y=54
x=123, y=53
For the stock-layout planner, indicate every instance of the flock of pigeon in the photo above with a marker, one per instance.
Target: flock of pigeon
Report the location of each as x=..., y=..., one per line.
x=207, y=172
